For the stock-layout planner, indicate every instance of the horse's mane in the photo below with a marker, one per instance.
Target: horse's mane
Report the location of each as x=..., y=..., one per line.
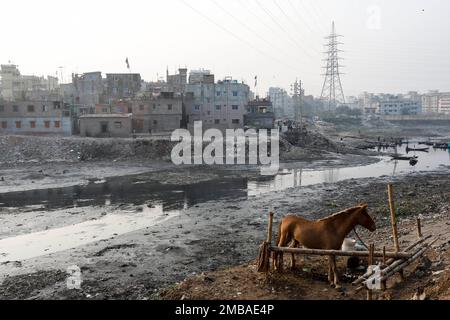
x=334, y=215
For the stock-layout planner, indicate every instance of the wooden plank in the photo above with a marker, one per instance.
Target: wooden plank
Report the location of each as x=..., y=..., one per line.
x=320, y=252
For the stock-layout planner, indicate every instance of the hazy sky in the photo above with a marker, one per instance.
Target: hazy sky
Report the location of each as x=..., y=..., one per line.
x=389, y=45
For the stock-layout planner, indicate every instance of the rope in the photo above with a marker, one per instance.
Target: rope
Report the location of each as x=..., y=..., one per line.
x=364, y=244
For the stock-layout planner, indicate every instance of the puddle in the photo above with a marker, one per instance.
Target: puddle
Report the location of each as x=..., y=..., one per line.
x=55, y=240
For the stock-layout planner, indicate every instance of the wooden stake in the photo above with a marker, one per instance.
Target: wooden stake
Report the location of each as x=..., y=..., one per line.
x=371, y=263
x=393, y=218
x=419, y=228
x=383, y=283
x=269, y=229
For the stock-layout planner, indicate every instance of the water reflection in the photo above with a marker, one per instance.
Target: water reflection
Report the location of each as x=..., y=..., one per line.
x=55, y=240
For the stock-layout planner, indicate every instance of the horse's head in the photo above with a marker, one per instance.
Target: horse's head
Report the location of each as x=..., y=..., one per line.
x=364, y=219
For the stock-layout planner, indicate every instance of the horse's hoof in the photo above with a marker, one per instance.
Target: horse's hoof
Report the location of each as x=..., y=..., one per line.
x=338, y=287
x=332, y=285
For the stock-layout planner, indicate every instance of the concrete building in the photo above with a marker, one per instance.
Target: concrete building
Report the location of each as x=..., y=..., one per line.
x=176, y=82
x=162, y=113
x=444, y=103
x=15, y=87
x=282, y=103
x=430, y=102
x=106, y=125
x=399, y=107
x=35, y=117
x=218, y=105
x=260, y=114
x=122, y=85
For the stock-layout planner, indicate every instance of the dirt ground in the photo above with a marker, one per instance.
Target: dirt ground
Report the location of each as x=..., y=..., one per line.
x=427, y=278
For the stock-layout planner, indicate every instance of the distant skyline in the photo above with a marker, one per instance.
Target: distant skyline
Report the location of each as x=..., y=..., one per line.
x=390, y=46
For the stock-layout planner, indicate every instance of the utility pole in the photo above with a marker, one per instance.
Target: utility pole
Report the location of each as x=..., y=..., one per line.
x=297, y=95
x=332, y=91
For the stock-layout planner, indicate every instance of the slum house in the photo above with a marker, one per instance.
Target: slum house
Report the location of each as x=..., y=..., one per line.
x=106, y=125
x=35, y=117
x=159, y=113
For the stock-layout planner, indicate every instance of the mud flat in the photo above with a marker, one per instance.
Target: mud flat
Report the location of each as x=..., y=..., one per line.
x=138, y=263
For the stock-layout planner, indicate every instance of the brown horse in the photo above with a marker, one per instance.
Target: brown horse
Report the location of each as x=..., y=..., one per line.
x=328, y=233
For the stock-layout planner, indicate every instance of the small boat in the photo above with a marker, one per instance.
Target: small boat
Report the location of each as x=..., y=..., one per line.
x=443, y=146
x=408, y=149
x=406, y=158
x=413, y=162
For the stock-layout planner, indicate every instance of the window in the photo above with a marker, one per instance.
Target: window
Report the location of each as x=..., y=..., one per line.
x=15, y=108
x=44, y=108
x=118, y=124
x=141, y=107
x=2, y=108
x=169, y=107
x=155, y=122
x=235, y=93
x=209, y=113
x=235, y=121
x=4, y=124
x=197, y=107
x=235, y=107
x=57, y=124
x=47, y=124
x=154, y=106
x=218, y=107
x=217, y=121
x=218, y=93
x=30, y=108
x=18, y=124
x=105, y=110
x=32, y=124
x=104, y=127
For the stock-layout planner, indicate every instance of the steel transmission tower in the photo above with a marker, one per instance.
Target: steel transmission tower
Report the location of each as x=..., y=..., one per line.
x=332, y=91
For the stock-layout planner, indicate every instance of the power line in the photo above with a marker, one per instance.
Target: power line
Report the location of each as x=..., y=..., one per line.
x=283, y=29
x=245, y=26
x=236, y=36
x=292, y=21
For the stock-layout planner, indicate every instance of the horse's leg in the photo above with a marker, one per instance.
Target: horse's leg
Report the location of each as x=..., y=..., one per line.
x=335, y=273
x=278, y=261
x=294, y=244
x=330, y=271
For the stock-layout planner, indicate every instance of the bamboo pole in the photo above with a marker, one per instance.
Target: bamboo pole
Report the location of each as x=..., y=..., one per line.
x=407, y=262
x=371, y=263
x=321, y=252
x=391, y=260
x=419, y=228
x=269, y=228
x=393, y=218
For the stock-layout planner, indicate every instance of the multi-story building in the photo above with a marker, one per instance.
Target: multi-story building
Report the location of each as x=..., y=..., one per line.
x=444, y=103
x=15, y=87
x=399, y=107
x=282, y=103
x=35, y=117
x=122, y=85
x=430, y=102
x=218, y=105
x=162, y=113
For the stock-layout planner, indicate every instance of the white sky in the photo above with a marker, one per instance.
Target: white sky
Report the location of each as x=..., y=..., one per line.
x=409, y=51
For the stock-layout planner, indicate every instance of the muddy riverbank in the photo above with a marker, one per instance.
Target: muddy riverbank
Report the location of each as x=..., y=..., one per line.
x=204, y=237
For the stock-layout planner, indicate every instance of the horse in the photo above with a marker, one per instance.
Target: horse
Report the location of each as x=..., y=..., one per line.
x=328, y=233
